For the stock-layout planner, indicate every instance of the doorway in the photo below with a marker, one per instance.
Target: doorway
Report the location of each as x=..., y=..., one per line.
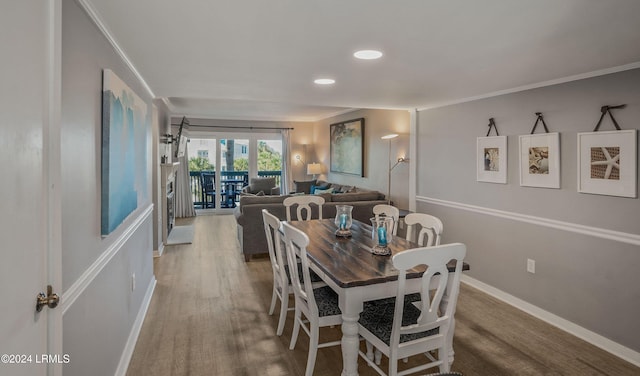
x=222, y=163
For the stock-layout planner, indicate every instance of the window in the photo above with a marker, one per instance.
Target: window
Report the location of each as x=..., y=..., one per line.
x=203, y=154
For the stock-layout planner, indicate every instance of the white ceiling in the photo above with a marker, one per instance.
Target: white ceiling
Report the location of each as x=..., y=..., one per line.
x=257, y=59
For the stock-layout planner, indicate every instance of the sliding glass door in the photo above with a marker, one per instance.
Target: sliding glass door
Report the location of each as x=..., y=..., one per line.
x=270, y=159
x=221, y=164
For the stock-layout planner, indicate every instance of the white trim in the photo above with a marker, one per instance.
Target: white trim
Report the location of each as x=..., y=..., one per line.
x=77, y=288
x=158, y=252
x=595, y=339
x=582, y=76
x=623, y=237
x=127, y=353
x=95, y=17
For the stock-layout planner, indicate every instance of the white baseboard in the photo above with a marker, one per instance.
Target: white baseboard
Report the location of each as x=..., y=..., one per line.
x=158, y=252
x=123, y=365
x=595, y=339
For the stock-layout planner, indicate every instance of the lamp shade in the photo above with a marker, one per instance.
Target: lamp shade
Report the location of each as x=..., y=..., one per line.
x=314, y=169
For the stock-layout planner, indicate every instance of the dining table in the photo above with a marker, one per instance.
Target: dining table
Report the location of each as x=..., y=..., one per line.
x=349, y=267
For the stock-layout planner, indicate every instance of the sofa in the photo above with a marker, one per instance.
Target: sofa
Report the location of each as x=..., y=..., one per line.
x=248, y=213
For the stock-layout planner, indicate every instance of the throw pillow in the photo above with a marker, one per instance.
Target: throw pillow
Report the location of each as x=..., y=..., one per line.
x=261, y=184
x=320, y=186
x=304, y=186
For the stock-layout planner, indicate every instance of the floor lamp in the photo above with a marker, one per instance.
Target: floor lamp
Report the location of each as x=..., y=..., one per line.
x=391, y=167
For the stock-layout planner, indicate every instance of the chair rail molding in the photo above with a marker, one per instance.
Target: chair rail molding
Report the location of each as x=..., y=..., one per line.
x=623, y=237
x=77, y=288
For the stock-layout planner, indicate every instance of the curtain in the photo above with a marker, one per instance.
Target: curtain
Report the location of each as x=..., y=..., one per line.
x=184, y=200
x=285, y=179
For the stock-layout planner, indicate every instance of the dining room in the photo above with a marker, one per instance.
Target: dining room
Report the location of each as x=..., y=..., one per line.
x=209, y=315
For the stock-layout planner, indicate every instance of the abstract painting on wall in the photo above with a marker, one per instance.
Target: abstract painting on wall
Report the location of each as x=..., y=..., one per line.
x=540, y=160
x=492, y=159
x=124, y=152
x=607, y=163
x=347, y=149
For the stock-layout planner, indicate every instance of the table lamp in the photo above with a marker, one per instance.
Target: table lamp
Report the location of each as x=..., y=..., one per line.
x=314, y=169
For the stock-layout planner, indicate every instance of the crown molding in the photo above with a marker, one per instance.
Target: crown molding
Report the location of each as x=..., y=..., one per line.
x=582, y=76
x=95, y=17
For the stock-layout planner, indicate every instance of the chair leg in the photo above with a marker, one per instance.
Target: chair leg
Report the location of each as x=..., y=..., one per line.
x=369, y=350
x=378, y=357
x=443, y=356
x=296, y=328
x=393, y=365
x=284, y=306
x=313, y=349
x=274, y=295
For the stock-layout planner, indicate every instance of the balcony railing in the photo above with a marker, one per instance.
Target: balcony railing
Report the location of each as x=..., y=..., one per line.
x=240, y=179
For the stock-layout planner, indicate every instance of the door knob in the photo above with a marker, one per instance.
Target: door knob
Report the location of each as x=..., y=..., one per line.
x=50, y=299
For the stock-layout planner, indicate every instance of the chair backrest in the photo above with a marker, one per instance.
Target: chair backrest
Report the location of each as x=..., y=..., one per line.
x=208, y=181
x=296, y=243
x=433, y=314
x=389, y=211
x=431, y=228
x=303, y=202
x=274, y=243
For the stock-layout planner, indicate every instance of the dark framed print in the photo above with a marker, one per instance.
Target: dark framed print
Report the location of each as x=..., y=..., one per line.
x=347, y=147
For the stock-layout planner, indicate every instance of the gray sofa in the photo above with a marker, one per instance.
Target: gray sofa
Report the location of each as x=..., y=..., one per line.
x=249, y=213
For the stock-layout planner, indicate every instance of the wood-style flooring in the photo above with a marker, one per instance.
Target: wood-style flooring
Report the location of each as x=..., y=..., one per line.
x=208, y=316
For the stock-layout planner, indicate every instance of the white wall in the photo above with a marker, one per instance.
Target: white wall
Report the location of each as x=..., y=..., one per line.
x=103, y=307
x=582, y=274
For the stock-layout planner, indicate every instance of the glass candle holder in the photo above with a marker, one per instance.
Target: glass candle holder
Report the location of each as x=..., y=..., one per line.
x=343, y=220
x=381, y=233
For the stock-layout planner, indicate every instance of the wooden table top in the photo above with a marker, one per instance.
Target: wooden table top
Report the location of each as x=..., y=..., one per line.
x=349, y=261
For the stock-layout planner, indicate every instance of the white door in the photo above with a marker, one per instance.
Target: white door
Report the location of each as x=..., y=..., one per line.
x=28, y=235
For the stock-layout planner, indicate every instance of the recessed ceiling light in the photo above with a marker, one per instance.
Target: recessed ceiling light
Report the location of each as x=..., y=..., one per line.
x=325, y=81
x=368, y=54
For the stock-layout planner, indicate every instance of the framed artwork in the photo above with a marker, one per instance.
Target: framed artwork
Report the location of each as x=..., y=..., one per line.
x=347, y=149
x=540, y=160
x=124, y=152
x=492, y=159
x=607, y=163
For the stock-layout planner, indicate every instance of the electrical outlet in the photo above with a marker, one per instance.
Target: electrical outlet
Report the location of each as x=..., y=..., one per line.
x=531, y=266
x=133, y=281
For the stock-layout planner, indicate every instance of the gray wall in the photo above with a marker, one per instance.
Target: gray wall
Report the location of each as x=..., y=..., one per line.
x=376, y=161
x=97, y=325
x=588, y=280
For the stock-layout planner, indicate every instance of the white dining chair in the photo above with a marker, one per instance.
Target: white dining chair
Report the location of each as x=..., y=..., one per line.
x=281, y=285
x=389, y=211
x=281, y=275
x=318, y=305
x=304, y=203
x=430, y=228
x=400, y=329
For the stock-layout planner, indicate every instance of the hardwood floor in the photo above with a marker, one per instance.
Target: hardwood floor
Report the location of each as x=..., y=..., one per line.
x=208, y=316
